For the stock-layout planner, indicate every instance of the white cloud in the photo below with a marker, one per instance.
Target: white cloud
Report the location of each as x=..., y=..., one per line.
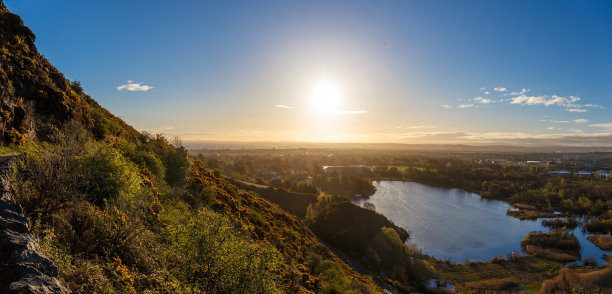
x=500, y=89
x=131, y=86
x=353, y=111
x=284, y=106
x=553, y=128
x=445, y=106
x=483, y=100
x=483, y=88
x=521, y=92
x=581, y=120
x=594, y=106
x=555, y=121
x=605, y=126
x=487, y=92
x=465, y=105
x=576, y=110
x=569, y=102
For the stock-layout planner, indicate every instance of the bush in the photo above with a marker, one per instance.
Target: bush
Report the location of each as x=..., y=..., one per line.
x=217, y=258
x=107, y=174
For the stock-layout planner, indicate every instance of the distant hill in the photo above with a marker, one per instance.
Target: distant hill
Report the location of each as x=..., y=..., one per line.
x=234, y=145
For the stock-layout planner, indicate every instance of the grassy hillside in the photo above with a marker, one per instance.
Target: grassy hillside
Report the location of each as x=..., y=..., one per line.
x=36, y=100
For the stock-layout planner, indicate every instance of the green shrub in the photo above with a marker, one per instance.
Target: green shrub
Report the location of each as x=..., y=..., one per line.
x=217, y=258
x=107, y=174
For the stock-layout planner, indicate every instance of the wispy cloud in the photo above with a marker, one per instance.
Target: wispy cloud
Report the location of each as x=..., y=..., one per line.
x=421, y=127
x=483, y=88
x=605, y=126
x=553, y=128
x=523, y=99
x=132, y=86
x=445, y=106
x=353, y=111
x=581, y=120
x=555, y=121
x=284, y=106
x=594, y=106
x=500, y=89
x=483, y=100
x=487, y=92
x=465, y=105
x=521, y=92
x=576, y=110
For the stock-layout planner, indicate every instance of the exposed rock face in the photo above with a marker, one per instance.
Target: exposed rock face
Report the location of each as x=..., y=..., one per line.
x=23, y=268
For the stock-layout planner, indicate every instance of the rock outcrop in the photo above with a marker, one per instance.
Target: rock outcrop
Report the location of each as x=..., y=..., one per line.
x=23, y=267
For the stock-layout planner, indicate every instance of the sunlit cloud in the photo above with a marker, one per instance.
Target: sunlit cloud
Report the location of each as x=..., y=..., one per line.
x=605, y=126
x=555, y=121
x=465, y=105
x=553, y=128
x=132, y=86
x=445, y=106
x=483, y=100
x=487, y=92
x=353, y=111
x=594, y=106
x=422, y=127
x=581, y=120
x=577, y=138
x=521, y=92
x=500, y=89
x=576, y=110
x=284, y=106
x=523, y=99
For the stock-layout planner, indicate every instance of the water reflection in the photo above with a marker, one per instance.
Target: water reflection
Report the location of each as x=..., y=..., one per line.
x=455, y=224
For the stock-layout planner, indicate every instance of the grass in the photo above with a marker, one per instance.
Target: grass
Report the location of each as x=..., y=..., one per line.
x=493, y=284
x=580, y=280
x=602, y=241
x=526, y=271
x=524, y=214
x=559, y=246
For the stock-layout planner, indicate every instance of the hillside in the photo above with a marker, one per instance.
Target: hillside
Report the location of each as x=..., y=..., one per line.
x=36, y=100
x=121, y=211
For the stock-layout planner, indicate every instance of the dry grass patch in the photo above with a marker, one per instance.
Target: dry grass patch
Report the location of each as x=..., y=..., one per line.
x=602, y=241
x=580, y=280
x=493, y=284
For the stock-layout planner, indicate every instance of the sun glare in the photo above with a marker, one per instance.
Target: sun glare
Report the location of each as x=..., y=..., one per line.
x=325, y=99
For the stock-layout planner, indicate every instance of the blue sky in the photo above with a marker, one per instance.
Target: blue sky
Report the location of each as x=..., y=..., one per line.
x=399, y=71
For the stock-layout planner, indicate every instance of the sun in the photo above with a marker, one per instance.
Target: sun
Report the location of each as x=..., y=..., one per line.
x=325, y=99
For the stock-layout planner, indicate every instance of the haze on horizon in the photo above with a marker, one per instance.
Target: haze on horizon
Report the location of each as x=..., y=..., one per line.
x=423, y=72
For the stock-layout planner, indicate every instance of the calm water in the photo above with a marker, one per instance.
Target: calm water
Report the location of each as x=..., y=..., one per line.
x=454, y=224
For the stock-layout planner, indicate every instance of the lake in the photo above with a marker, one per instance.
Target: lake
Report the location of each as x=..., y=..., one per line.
x=455, y=224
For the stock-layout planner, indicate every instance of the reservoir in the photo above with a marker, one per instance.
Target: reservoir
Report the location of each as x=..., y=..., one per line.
x=455, y=224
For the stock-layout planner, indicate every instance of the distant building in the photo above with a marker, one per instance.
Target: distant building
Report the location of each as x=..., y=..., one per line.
x=603, y=173
x=561, y=173
x=585, y=173
x=348, y=169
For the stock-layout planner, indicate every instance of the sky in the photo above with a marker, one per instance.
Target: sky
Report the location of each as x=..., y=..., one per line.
x=432, y=72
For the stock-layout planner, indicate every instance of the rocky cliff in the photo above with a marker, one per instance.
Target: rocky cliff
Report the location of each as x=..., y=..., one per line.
x=23, y=268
